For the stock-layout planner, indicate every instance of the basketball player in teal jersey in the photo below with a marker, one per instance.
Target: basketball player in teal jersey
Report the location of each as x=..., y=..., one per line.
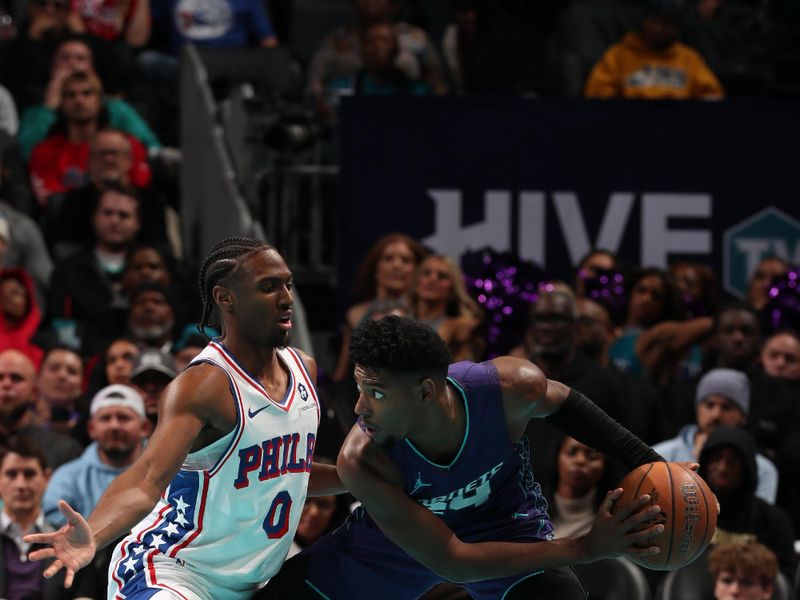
x=214, y=500
x=441, y=465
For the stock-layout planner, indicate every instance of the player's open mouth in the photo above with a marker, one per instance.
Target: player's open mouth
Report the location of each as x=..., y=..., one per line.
x=370, y=429
x=285, y=320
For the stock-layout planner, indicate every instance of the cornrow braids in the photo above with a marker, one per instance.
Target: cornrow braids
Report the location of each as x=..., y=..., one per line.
x=222, y=261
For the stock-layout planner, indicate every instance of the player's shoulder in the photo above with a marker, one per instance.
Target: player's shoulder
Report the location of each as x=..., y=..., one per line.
x=202, y=382
x=361, y=461
x=308, y=362
x=514, y=371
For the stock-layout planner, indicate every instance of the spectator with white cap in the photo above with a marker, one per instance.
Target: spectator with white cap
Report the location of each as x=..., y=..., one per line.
x=118, y=428
x=722, y=398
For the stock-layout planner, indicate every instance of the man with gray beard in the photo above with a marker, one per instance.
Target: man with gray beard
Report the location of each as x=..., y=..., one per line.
x=551, y=344
x=151, y=316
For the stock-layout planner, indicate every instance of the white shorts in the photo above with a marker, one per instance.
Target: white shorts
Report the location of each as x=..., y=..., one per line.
x=153, y=576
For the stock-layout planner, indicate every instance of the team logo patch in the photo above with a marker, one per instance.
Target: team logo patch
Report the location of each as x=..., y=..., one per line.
x=303, y=391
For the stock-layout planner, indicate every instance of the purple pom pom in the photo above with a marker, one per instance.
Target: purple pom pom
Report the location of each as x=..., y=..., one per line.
x=505, y=286
x=782, y=310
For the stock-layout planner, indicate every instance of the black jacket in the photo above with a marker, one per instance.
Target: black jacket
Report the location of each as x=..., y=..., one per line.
x=52, y=589
x=743, y=516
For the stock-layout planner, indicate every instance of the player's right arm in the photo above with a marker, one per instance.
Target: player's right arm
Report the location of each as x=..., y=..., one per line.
x=370, y=476
x=187, y=404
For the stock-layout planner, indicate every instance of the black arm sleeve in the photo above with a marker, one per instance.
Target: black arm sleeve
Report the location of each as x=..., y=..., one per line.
x=589, y=424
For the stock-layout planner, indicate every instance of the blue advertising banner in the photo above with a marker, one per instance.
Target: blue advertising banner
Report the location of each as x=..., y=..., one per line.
x=655, y=182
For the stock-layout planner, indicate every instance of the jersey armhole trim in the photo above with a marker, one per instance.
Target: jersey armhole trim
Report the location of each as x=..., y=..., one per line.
x=463, y=441
x=238, y=403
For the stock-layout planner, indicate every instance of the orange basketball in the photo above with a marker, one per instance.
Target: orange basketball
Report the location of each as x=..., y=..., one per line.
x=688, y=512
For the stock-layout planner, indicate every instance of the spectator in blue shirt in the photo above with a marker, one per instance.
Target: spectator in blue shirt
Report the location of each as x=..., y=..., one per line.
x=118, y=428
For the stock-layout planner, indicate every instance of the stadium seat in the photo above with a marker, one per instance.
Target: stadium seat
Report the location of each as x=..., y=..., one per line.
x=614, y=579
x=694, y=582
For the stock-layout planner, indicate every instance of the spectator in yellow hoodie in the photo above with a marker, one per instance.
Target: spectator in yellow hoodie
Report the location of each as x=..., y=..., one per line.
x=651, y=63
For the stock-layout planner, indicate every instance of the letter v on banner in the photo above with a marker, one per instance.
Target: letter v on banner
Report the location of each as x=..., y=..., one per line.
x=451, y=237
x=573, y=226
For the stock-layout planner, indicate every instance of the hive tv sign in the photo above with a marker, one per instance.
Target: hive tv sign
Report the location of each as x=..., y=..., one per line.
x=769, y=232
x=658, y=239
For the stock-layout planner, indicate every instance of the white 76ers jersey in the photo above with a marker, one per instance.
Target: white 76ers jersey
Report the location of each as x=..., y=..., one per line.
x=231, y=512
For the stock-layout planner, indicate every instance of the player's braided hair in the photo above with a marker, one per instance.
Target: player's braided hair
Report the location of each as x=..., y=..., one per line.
x=399, y=345
x=222, y=261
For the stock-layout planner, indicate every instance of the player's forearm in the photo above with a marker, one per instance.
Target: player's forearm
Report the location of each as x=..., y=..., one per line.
x=126, y=502
x=491, y=560
x=586, y=422
x=325, y=481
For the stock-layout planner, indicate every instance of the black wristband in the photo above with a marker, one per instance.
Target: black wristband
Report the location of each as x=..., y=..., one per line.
x=589, y=424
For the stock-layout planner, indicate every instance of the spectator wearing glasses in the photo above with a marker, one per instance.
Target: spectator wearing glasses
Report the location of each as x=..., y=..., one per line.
x=60, y=163
x=551, y=344
x=111, y=161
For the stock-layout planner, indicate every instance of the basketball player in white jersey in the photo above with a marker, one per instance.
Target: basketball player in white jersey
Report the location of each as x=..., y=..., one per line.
x=213, y=502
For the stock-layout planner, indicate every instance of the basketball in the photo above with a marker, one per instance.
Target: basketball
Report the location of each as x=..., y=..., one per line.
x=688, y=512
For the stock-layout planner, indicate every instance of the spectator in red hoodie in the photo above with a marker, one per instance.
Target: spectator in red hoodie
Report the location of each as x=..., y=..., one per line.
x=19, y=314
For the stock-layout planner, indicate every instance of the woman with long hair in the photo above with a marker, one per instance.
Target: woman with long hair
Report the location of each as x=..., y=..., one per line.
x=658, y=343
x=382, y=284
x=440, y=300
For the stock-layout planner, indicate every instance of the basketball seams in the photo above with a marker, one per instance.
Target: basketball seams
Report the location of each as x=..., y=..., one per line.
x=636, y=495
x=671, y=514
x=641, y=481
x=674, y=505
x=700, y=485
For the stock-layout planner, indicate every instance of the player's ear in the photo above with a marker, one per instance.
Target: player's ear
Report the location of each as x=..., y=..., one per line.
x=223, y=297
x=427, y=389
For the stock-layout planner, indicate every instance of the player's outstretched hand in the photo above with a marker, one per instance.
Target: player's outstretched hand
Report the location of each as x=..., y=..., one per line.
x=628, y=531
x=72, y=546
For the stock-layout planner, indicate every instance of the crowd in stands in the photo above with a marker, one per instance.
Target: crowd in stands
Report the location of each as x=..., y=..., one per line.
x=98, y=308
x=699, y=380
